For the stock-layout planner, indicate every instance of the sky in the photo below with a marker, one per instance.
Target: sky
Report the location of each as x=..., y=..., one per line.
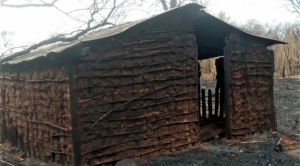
x=35, y=24
x=264, y=11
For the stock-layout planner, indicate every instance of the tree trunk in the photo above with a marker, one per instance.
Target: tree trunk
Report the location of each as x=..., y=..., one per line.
x=290, y=66
x=164, y=4
x=173, y=4
x=283, y=71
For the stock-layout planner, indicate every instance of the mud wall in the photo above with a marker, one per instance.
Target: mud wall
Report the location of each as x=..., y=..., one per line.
x=35, y=113
x=251, y=68
x=137, y=95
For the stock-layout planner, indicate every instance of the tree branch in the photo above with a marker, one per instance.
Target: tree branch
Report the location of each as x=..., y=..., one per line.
x=164, y=4
x=43, y=4
x=295, y=6
x=67, y=13
x=10, y=49
x=63, y=38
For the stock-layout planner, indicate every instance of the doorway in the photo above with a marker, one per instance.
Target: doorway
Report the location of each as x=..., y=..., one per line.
x=211, y=96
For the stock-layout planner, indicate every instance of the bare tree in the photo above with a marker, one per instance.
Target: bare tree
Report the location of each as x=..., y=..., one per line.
x=254, y=26
x=291, y=50
x=5, y=37
x=5, y=41
x=287, y=57
x=93, y=15
x=175, y=3
x=294, y=6
x=224, y=17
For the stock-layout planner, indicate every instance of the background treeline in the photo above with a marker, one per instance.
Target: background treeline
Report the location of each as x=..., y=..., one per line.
x=287, y=56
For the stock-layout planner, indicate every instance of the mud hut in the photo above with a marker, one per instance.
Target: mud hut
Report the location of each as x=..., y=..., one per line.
x=133, y=90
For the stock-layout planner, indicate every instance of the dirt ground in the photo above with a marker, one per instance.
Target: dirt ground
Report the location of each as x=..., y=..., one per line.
x=257, y=149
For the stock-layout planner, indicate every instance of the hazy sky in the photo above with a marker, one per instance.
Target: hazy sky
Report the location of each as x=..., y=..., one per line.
x=265, y=11
x=34, y=24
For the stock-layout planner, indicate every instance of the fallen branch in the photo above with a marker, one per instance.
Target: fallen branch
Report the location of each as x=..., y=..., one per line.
x=252, y=142
x=237, y=142
x=2, y=161
x=278, y=146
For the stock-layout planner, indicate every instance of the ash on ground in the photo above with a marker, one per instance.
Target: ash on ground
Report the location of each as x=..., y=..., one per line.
x=287, y=106
x=257, y=149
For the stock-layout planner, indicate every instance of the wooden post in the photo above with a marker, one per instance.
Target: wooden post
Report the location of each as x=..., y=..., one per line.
x=4, y=130
x=216, y=101
x=222, y=101
x=73, y=97
x=271, y=88
x=225, y=90
x=198, y=91
x=209, y=104
x=203, y=103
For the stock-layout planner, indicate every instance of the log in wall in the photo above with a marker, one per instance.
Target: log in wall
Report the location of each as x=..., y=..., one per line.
x=35, y=113
x=251, y=85
x=137, y=97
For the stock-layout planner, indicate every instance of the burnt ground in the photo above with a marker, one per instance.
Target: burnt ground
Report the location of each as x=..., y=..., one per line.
x=256, y=149
x=287, y=105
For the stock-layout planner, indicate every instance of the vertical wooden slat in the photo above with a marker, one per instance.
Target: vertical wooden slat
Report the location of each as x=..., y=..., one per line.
x=216, y=101
x=209, y=104
x=4, y=130
x=203, y=103
x=3, y=114
x=222, y=101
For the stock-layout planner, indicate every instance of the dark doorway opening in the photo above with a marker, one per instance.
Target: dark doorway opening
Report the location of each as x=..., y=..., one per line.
x=212, y=104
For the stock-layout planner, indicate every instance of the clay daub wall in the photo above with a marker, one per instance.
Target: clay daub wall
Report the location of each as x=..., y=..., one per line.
x=144, y=91
x=35, y=113
x=251, y=68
